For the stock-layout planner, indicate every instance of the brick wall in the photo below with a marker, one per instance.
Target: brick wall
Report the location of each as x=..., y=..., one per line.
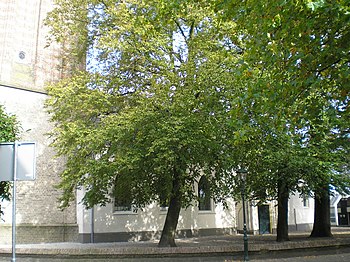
x=25, y=67
x=28, y=234
x=24, y=59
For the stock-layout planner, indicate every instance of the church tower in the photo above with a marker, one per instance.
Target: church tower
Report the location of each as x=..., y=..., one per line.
x=26, y=66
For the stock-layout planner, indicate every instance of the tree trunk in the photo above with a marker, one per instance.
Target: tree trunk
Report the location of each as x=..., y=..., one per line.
x=167, y=238
x=322, y=220
x=282, y=216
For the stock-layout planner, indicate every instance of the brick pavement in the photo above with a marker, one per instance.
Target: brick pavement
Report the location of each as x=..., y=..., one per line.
x=228, y=244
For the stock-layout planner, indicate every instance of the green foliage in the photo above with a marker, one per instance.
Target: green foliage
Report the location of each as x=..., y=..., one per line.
x=9, y=127
x=9, y=130
x=202, y=87
x=151, y=103
x=292, y=120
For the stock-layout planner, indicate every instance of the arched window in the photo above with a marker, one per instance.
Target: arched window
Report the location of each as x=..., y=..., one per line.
x=204, y=202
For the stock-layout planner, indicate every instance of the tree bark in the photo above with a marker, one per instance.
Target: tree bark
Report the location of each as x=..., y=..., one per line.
x=322, y=220
x=282, y=217
x=167, y=238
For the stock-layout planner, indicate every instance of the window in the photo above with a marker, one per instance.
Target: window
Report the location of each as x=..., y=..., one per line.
x=122, y=195
x=163, y=207
x=204, y=201
x=122, y=205
x=163, y=202
x=305, y=200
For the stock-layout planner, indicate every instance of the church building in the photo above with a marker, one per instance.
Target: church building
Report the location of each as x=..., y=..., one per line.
x=26, y=66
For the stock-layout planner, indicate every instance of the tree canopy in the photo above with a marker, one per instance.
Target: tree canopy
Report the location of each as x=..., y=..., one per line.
x=174, y=90
x=295, y=77
x=296, y=66
x=144, y=119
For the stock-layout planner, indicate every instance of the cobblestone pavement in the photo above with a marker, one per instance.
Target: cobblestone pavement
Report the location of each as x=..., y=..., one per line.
x=334, y=254
x=214, y=248
x=339, y=255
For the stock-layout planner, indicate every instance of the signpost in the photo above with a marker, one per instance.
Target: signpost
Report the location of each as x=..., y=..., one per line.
x=17, y=163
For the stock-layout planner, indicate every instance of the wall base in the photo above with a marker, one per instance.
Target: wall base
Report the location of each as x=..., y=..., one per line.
x=32, y=234
x=148, y=235
x=306, y=227
x=301, y=227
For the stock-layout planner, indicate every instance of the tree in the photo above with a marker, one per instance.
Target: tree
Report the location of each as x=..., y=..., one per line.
x=9, y=130
x=144, y=120
x=295, y=69
x=277, y=161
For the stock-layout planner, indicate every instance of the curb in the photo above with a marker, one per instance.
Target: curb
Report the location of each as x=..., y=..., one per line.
x=76, y=249
x=317, y=243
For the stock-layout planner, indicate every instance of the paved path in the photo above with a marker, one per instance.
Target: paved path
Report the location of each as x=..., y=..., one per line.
x=314, y=255
x=196, y=247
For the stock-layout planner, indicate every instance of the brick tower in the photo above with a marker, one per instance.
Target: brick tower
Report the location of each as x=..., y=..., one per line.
x=26, y=65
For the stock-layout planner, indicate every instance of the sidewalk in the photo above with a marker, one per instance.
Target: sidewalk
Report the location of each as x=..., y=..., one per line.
x=191, y=246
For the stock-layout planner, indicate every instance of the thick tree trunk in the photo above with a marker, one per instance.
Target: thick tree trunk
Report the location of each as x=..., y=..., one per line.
x=282, y=219
x=322, y=221
x=167, y=238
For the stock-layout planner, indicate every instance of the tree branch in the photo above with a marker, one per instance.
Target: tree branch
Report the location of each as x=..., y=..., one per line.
x=181, y=31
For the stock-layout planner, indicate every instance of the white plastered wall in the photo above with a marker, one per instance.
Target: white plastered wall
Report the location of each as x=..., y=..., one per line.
x=300, y=217
x=152, y=218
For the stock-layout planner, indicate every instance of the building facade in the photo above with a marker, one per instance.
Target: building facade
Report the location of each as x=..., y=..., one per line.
x=340, y=209
x=114, y=222
x=25, y=67
x=262, y=219
x=122, y=223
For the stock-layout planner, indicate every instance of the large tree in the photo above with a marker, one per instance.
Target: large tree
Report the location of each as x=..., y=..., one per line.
x=295, y=68
x=144, y=120
x=9, y=130
x=163, y=76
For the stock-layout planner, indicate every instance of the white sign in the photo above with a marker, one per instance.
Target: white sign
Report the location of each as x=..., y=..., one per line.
x=23, y=155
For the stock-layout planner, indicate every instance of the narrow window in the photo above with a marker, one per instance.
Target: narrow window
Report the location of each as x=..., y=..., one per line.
x=305, y=200
x=163, y=202
x=204, y=201
x=122, y=195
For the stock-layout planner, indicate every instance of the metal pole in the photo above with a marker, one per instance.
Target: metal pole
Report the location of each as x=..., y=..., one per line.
x=92, y=234
x=14, y=203
x=245, y=236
